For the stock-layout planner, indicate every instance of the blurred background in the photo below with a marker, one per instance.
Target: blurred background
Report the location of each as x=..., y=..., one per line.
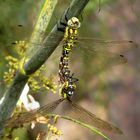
x=112, y=93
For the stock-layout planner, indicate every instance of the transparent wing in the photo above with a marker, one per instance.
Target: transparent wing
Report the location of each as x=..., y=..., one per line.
x=98, y=54
x=79, y=113
x=103, y=58
x=116, y=46
x=31, y=116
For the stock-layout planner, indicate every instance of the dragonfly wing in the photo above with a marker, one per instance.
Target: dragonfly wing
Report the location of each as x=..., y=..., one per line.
x=104, y=52
x=31, y=116
x=116, y=46
x=79, y=113
x=95, y=59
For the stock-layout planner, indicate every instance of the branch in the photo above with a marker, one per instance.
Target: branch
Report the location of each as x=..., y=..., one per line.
x=92, y=129
x=13, y=93
x=41, y=26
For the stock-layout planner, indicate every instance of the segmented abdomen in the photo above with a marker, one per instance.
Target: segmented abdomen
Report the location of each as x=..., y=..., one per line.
x=69, y=42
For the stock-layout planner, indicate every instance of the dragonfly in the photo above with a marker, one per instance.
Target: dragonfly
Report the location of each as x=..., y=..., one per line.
x=99, y=51
x=68, y=88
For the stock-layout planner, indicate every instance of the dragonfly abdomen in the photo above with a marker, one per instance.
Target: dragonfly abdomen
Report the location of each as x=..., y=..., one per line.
x=66, y=77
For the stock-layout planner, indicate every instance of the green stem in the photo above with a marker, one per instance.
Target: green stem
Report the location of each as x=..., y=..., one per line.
x=41, y=26
x=92, y=129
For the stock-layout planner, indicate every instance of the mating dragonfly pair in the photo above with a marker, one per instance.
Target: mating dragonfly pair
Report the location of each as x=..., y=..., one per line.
x=68, y=82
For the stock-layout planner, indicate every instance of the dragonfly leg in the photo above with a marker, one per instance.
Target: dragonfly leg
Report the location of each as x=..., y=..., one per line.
x=66, y=18
x=73, y=79
x=62, y=25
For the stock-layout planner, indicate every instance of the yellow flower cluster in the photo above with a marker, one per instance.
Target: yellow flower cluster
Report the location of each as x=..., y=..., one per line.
x=37, y=81
x=54, y=130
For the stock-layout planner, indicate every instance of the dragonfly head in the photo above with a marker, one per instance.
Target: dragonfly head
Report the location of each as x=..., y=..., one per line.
x=70, y=90
x=74, y=22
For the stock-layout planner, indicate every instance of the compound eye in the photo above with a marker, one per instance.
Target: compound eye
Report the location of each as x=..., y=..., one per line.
x=76, y=22
x=71, y=24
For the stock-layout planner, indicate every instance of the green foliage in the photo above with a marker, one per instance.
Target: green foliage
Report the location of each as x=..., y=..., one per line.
x=37, y=81
x=15, y=134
